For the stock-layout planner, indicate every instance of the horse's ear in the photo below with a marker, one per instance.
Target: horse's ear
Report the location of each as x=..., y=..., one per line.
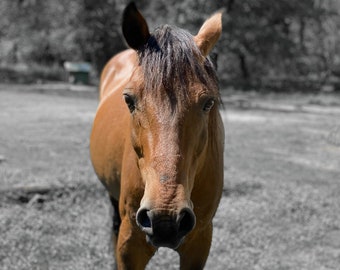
x=209, y=33
x=135, y=28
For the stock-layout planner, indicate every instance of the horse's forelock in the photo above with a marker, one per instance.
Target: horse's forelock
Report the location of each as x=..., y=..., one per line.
x=172, y=60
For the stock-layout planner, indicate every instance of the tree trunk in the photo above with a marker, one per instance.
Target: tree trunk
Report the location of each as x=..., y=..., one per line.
x=243, y=66
x=302, y=34
x=230, y=6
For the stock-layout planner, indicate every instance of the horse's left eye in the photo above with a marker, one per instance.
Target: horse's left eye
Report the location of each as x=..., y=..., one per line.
x=208, y=105
x=130, y=102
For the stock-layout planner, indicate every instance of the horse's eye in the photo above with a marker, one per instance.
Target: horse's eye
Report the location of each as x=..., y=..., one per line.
x=130, y=102
x=208, y=105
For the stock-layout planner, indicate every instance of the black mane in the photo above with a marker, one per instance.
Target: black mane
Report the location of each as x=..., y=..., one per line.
x=171, y=59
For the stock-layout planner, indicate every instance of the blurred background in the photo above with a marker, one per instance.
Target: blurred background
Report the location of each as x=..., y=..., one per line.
x=268, y=45
x=281, y=198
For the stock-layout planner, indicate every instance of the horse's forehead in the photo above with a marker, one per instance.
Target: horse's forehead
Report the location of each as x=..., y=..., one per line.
x=174, y=100
x=166, y=97
x=180, y=92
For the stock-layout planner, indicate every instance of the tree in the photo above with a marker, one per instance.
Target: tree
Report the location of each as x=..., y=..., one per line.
x=280, y=38
x=100, y=35
x=261, y=39
x=43, y=31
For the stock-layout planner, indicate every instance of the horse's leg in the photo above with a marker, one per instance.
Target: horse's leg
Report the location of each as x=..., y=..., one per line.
x=194, y=252
x=132, y=251
x=116, y=221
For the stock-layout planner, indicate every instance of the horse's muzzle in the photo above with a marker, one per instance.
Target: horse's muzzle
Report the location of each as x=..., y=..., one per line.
x=164, y=230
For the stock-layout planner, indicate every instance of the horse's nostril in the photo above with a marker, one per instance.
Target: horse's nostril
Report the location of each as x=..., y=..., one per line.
x=143, y=219
x=186, y=221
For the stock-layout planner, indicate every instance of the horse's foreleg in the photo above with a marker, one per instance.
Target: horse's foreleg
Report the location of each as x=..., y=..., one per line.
x=195, y=250
x=116, y=217
x=132, y=251
x=116, y=221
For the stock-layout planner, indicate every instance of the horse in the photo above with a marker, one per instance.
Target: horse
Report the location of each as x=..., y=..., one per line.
x=157, y=141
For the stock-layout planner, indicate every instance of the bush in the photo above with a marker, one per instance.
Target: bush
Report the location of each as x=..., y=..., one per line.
x=33, y=73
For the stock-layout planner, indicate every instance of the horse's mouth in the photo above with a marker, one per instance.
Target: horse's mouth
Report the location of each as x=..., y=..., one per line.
x=172, y=243
x=165, y=235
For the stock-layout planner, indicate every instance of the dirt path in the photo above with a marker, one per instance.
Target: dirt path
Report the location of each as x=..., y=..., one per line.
x=280, y=208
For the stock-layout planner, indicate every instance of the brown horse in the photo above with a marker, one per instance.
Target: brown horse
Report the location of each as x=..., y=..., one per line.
x=157, y=142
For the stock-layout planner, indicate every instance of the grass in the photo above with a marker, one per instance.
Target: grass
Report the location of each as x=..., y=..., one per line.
x=280, y=206
x=64, y=223
x=57, y=233
x=283, y=190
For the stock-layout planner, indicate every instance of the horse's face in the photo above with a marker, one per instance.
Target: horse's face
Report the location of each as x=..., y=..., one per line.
x=170, y=138
x=169, y=133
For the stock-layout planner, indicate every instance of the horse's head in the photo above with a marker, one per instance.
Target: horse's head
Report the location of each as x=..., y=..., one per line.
x=172, y=98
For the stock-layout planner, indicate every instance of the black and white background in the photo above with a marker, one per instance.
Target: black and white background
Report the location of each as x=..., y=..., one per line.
x=279, y=69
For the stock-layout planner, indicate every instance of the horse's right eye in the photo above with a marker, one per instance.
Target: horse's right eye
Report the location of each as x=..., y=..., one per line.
x=130, y=102
x=208, y=105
